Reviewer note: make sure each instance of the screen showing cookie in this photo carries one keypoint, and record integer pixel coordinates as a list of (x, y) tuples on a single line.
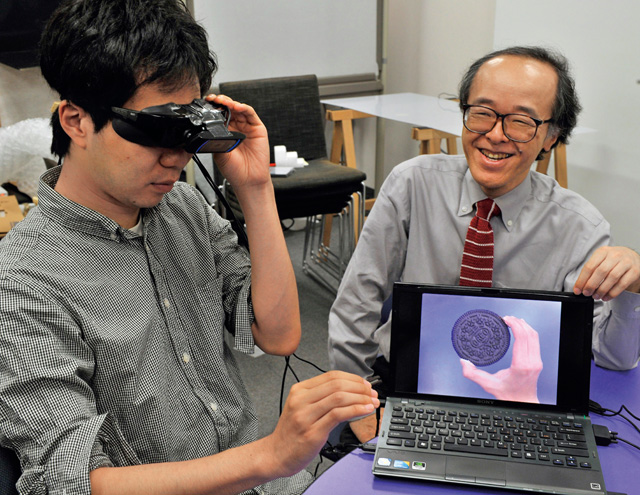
[(493, 348)]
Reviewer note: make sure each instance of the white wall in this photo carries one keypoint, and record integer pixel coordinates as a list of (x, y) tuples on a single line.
[(429, 46), (255, 39), (431, 42), (601, 41)]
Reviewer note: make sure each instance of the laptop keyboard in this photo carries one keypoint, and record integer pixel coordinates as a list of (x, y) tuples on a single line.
[(539, 438)]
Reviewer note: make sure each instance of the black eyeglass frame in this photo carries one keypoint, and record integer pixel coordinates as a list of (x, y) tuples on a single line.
[(501, 116)]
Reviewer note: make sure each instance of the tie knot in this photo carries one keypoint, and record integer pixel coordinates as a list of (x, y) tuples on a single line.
[(487, 208)]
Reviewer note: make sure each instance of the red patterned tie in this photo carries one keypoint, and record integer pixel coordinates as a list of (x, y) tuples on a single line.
[(477, 258)]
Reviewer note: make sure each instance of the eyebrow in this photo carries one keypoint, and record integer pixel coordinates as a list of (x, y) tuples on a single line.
[(520, 108)]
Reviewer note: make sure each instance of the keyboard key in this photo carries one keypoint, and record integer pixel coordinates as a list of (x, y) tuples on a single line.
[(399, 428), (570, 430), (470, 449), (575, 438), (575, 445), (573, 452), (399, 421)]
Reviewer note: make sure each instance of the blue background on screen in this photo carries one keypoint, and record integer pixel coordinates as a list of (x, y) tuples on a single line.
[(440, 371)]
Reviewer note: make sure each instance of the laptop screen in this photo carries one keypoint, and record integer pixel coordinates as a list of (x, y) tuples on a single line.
[(457, 343)]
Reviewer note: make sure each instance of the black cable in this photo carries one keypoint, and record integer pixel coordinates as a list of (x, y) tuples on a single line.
[(308, 362), (284, 376), (632, 415), (291, 369), (238, 228), (617, 438), (284, 227), (603, 411), (315, 472)]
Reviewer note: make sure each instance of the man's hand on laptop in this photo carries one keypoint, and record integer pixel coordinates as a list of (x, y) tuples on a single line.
[(519, 382)]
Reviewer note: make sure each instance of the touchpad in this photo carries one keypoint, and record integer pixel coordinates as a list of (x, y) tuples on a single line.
[(472, 470)]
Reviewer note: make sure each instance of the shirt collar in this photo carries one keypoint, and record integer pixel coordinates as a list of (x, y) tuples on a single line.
[(510, 204), (73, 215)]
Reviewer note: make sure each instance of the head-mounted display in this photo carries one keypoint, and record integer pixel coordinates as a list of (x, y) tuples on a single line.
[(198, 127)]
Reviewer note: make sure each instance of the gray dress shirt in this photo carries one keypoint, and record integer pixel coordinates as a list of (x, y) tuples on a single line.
[(112, 349), (416, 232)]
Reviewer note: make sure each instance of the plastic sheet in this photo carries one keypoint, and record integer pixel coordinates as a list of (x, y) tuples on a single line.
[(23, 148)]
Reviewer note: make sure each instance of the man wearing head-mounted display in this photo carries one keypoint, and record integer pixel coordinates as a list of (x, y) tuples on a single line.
[(117, 288)]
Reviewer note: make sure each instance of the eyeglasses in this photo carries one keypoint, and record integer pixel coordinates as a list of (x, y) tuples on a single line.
[(515, 126)]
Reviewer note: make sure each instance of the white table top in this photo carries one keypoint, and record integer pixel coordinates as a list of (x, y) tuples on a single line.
[(410, 108)]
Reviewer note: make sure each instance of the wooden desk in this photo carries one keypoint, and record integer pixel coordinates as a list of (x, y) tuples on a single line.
[(433, 119)]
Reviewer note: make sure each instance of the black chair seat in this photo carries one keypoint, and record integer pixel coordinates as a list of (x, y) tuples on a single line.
[(320, 188)]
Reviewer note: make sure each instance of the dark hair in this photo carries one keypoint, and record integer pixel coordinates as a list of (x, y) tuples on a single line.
[(566, 106), (97, 53)]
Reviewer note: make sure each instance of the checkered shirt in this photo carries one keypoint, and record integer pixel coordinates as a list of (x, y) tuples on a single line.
[(112, 349)]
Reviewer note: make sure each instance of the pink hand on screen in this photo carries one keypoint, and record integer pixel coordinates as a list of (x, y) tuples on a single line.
[(519, 382)]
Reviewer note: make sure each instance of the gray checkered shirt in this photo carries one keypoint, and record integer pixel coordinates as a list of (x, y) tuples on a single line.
[(112, 349)]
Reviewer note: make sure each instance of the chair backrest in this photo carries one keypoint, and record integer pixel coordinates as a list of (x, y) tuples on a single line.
[(9, 472), (290, 109)]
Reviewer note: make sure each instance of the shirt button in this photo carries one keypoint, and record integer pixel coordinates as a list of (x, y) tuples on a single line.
[(186, 358), (213, 406), (464, 209), (114, 236), (166, 303), (637, 309), (509, 223)]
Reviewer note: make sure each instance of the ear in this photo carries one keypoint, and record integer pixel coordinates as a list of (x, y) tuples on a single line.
[(550, 139), (75, 122)]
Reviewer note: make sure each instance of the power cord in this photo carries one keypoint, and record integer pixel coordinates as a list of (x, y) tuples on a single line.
[(603, 411), (603, 435)]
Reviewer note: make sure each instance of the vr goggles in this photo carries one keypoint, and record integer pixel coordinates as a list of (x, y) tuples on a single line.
[(198, 127)]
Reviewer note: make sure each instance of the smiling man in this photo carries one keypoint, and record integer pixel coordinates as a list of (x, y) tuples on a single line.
[(517, 104)]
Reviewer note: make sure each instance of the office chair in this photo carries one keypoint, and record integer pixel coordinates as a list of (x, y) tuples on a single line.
[(9, 472), (291, 111)]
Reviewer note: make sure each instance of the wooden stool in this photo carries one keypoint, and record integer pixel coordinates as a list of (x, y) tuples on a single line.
[(342, 143), (559, 164), (430, 140)]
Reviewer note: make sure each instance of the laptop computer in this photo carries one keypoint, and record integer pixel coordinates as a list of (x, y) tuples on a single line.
[(442, 426)]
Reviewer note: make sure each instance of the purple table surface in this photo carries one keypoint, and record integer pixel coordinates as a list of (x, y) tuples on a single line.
[(620, 462)]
